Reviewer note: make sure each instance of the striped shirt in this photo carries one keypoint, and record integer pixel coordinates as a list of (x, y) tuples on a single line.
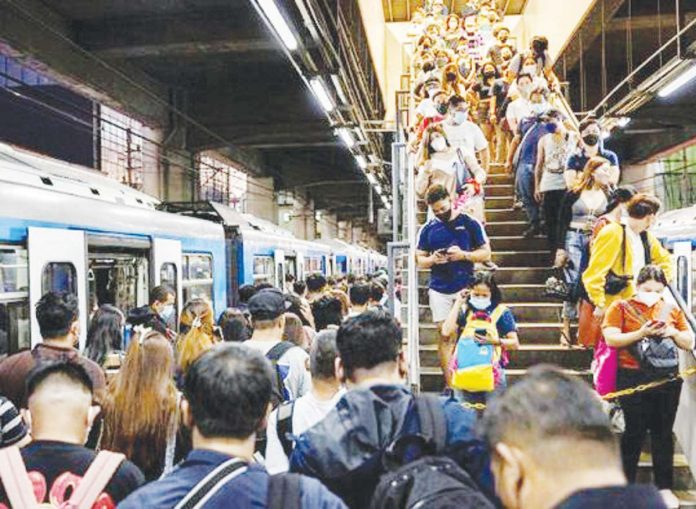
[(12, 428)]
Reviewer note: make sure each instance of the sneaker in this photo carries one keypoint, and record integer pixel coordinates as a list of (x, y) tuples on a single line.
[(517, 205), (530, 232), (670, 499)]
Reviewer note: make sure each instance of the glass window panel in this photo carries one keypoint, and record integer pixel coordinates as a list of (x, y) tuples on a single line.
[(59, 277), (14, 326), (264, 269), (14, 274)]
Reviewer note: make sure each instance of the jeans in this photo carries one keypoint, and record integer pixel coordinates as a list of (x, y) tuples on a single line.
[(552, 210), (576, 245), (524, 184), (653, 410)]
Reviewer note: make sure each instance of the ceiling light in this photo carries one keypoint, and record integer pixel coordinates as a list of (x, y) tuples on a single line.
[(279, 24), (606, 135), (361, 162), (336, 80), (322, 94), (378, 188), (623, 121), (361, 135), (346, 137), (371, 178), (682, 80)]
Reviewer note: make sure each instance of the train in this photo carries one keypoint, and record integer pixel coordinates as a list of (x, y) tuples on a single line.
[(69, 228)]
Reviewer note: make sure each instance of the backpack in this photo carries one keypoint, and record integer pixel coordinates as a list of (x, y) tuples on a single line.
[(284, 425), (475, 367), (657, 356), (417, 475), (20, 492), (284, 490)]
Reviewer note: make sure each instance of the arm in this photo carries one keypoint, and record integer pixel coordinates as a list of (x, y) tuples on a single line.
[(513, 148), (565, 215), (423, 179), (450, 325), (605, 250), (426, 261), (511, 341), (571, 177), (276, 461), (684, 339), (660, 256), (539, 167), (617, 339), (485, 156), (478, 255)]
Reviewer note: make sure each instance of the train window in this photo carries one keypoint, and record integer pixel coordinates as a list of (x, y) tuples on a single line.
[(14, 300), (264, 269), (59, 277), (120, 279), (198, 277), (313, 265), (168, 275), (683, 278)]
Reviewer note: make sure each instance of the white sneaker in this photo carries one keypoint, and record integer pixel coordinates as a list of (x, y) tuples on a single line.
[(670, 499)]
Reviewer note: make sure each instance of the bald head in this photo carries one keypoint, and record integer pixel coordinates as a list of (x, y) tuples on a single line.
[(59, 398)]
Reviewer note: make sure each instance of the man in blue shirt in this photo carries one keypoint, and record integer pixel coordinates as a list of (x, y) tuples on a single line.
[(449, 244), (346, 449), (591, 146), (524, 148), (227, 396)]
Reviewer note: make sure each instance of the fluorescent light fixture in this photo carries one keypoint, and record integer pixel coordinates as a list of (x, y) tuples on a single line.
[(682, 80), (386, 202), (606, 135), (371, 178), (346, 137), (378, 188), (281, 26), (336, 80), (623, 122), (361, 162), (321, 93), (361, 135)]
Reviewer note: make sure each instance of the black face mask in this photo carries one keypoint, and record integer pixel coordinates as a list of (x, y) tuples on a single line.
[(444, 216), (489, 75), (451, 76), (591, 139), (441, 109)]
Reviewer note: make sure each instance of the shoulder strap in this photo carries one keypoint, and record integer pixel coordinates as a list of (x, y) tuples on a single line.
[(278, 350), (15, 480), (95, 479), (432, 419), (284, 492), (497, 313), (623, 249), (170, 451), (284, 425), (646, 247), (211, 483)]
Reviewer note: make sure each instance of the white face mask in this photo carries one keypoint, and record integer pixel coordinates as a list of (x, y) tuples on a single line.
[(460, 117), (529, 69), (439, 145), (480, 303), (648, 298)]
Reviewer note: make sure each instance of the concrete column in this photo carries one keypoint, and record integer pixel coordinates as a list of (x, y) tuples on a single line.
[(260, 199), (641, 176), (298, 217), (328, 226)]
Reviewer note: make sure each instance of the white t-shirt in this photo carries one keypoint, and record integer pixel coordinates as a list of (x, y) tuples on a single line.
[(636, 246), (308, 411), (467, 135), (516, 111), (298, 381)]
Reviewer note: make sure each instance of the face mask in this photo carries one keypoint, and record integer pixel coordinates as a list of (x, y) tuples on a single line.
[(167, 312), (489, 74), (442, 109), (525, 89), (444, 216), (503, 38), (429, 111), (529, 69), (441, 62), (590, 139), (648, 298), (439, 144), (432, 91), (480, 303), (451, 76), (460, 117)]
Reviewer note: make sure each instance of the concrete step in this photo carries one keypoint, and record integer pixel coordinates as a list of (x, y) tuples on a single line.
[(523, 311), (517, 243), (531, 333), (433, 381), (499, 202), (539, 258), (687, 498), (509, 229), (497, 169), (497, 190), (522, 275), (683, 480), (499, 178), (505, 214), (511, 293)]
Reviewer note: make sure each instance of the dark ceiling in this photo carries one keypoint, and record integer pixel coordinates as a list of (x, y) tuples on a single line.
[(621, 37), (230, 75)]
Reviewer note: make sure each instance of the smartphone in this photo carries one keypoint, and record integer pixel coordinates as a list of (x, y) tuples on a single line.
[(442, 251), (481, 332), (657, 323)]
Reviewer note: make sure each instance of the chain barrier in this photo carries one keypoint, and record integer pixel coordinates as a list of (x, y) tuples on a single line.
[(617, 394)]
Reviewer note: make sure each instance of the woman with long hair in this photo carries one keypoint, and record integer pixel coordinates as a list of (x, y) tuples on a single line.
[(452, 81), (140, 408), (196, 334), (105, 336), (579, 210), (235, 326)]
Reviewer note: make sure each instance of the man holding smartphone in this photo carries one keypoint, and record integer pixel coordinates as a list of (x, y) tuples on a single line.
[(449, 244)]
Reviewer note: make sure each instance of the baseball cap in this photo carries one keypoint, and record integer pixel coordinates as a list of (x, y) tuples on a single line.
[(267, 304)]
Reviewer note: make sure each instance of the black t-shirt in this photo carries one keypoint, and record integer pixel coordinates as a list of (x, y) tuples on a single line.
[(56, 467)]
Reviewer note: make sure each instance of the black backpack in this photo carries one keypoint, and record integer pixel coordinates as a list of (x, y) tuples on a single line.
[(417, 475)]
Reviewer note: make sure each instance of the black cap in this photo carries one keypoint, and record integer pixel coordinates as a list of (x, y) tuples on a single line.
[(267, 304)]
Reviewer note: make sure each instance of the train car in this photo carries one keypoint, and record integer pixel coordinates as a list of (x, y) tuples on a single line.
[(67, 228), (345, 258)]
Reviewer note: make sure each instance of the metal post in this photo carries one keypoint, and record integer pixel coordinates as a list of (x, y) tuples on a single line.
[(392, 247), (397, 160)]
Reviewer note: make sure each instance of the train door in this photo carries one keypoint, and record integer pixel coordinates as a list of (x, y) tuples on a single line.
[(57, 262), (166, 269), (300, 267), (279, 257)]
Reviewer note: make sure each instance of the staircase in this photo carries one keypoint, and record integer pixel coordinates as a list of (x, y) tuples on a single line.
[(524, 267)]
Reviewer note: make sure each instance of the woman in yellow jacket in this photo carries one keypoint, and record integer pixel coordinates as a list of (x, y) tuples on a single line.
[(623, 250)]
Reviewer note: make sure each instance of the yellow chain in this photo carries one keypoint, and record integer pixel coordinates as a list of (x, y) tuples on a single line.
[(617, 394)]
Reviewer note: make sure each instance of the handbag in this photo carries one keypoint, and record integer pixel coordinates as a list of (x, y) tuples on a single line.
[(656, 355), (614, 283), (605, 366), (557, 286), (589, 325)]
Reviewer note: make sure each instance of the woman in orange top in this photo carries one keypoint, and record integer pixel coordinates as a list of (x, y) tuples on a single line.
[(627, 323)]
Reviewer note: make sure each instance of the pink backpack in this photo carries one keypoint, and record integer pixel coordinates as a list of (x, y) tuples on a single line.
[(20, 493)]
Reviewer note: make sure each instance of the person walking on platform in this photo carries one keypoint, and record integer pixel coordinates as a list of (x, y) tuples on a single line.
[(449, 244)]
